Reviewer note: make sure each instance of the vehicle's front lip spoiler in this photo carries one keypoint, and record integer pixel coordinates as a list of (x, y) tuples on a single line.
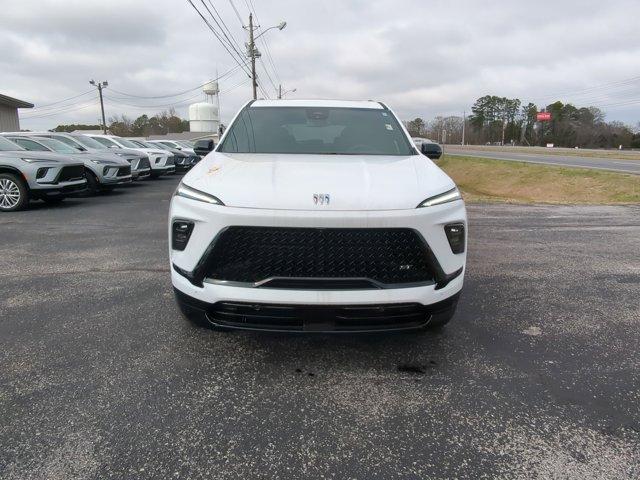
[(442, 280)]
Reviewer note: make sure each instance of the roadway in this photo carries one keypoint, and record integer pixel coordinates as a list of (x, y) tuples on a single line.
[(594, 163)]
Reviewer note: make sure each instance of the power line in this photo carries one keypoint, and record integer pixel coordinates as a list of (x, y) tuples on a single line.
[(179, 93), (264, 67), (233, 5), (217, 35), (618, 83), (60, 112), (231, 43), (176, 103), (46, 105)]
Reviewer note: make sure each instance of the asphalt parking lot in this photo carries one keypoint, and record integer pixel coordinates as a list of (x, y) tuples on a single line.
[(536, 377)]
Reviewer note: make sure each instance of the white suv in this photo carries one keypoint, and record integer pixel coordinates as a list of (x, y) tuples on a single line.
[(317, 216), (161, 162)]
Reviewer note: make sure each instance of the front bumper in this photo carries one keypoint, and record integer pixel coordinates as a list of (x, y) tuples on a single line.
[(185, 163), (161, 165), (209, 220), (62, 188), (318, 318), (141, 173)]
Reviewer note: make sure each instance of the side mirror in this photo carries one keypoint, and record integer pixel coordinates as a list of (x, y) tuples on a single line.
[(431, 150)]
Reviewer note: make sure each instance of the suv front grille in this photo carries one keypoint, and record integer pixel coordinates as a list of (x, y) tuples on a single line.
[(124, 171), (319, 257), (70, 173), (143, 164)]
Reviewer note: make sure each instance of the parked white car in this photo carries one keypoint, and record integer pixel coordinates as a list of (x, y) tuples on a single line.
[(317, 216), (175, 144), (161, 162)]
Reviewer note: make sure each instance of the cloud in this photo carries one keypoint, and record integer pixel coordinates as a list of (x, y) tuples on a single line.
[(421, 58)]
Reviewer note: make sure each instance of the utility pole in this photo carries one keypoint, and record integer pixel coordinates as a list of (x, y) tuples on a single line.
[(100, 86), (252, 54), (464, 120), (282, 93)]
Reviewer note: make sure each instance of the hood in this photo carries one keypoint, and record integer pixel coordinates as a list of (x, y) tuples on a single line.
[(290, 181), (106, 157), (153, 151), (57, 157)]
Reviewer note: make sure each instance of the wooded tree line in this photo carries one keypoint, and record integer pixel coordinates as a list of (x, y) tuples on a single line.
[(501, 120), (143, 126)]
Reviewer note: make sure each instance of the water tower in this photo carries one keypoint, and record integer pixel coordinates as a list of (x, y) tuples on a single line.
[(205, 116)]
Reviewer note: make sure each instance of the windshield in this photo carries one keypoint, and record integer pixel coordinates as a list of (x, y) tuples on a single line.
[(160, 146), (90, 142), (8, 146), (185, 143), (316, 130), (57, 146), (127, 143), (107, 142)]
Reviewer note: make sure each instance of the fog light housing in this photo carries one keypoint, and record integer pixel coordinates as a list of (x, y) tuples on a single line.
[(455, 235), (180, 234), (42, 172)]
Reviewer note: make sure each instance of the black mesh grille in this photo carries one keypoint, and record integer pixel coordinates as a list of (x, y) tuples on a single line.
[(72, 172), (124, 171), (387, 256)]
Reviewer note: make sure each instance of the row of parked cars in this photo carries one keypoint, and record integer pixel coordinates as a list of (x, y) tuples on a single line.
[(51, 166)]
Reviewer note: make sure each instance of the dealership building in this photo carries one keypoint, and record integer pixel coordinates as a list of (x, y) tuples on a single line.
[(9, 119)]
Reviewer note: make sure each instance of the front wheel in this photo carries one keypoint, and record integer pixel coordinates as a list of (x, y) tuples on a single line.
[(93, 186), (14, 194)]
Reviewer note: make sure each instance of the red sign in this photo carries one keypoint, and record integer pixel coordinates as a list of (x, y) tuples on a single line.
[(543, 116)]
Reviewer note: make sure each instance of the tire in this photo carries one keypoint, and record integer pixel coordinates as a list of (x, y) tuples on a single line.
[(14, 194), (53, 200), (155, 174), (93, 186)]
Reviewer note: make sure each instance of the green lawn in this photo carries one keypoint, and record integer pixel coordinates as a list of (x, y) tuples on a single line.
[(482, 179)]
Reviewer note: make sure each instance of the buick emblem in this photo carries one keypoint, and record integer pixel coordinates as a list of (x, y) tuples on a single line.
[(321, 198)]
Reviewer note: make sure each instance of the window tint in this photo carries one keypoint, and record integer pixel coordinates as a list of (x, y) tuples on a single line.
[(57, 146), (68, 141), (106, 142), (127, 143), (31, 145), (89, 142), (316, 130), (8, 146)]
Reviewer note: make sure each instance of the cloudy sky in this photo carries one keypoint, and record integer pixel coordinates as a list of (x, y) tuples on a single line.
[(421, 57)]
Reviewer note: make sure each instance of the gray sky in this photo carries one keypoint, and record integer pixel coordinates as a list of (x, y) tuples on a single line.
[(422, 58)]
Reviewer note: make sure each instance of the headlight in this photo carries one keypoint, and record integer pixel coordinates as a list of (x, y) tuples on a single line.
[(96, 161), (193, 194), (446, 197), (36, 160)]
